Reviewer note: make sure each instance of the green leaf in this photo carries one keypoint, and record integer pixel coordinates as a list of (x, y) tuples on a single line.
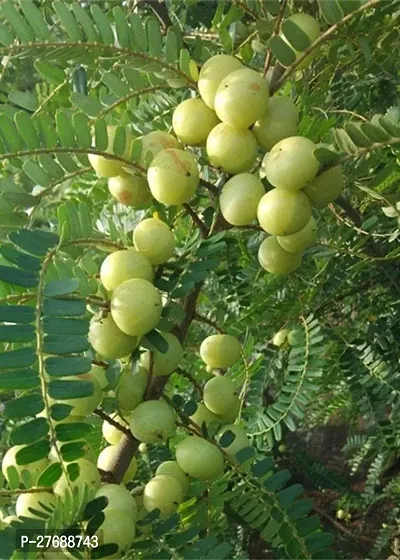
[(24, 99), (101, 136), (17, 313), (10, 134), (357, 135), (73, 450), (296, 36), (19, 380), (349, 6), (390, 126), (18, 277), (153, 340), (88, 104), (47, 130), (171, 46), (52, 325), (29, 405), (30, 432), (102, 24), (17, 333), (82, 130), (36, 173), (70, 389), (24, 357), (65, 344), (6, 37), (277, 480), (60, 287), (51, 72), (64, 307), (227, 438), (344, 141), (122, 27), (17, 22), (84, 19), (50, 475), (27, 130), (73, 430), (331, 11), (68, 365), (20, 259), (32, 453), (116, 85), (64, 128), (119, 141), (68, 21), (281, 50), (138, 32), (37, 242), (154, 38), (326, 156), (35, 18), (375, 133)]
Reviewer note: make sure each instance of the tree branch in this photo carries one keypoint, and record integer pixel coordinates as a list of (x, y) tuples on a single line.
[(202, 319), (111, 421), (190, 378), (201, 225), (277, 28)]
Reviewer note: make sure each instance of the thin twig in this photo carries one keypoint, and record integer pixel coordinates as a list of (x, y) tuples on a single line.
[(276, 31), (111, 421), (201, 225), (207, 321), (190, 378), (340, 527), (209, 186), (5, 493)]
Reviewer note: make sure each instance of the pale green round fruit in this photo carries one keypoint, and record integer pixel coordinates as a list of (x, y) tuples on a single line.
[(273, 258), (232, 413), (220, 350), (326, 187), (108, 167), (164, 493), (153, 239), (34, 500), (130, 190), (88, 474), (311, 28), (203, 415), (240, 442), (153, 143), (219, 394), (241, 98), (171, 468), (124, 265), (99, 373), (279, 121), (111, 434), (136, 307), (192, 121), (200, 458), (82, 405), (9, 460), (131, 389), (106, 460), (280, 337), (119, 498), (142, 448), (153, 421), (108, 340), (239, 199), (282, 212), (173, 177), (164, 364), (234, 150), (291, 164), (214, 70), (118, 527), (297, 242)]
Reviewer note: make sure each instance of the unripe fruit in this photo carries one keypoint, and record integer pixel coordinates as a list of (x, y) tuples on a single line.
[(136, 307), (278, 122), (297, 242), (154, 143), (153, 239), (111, 434), (311, 28), (234, 150), (88, 474), (273, 258), (130, 190), (203, 414), (164, 364), (9, 460), (326, 187), (108, 167), (280, 337), (220, 350), (106, 460), (31, 500), (131, 388), (81, 406), (118, 527), (291, 164), (241, 98), (232, 413), (99, 373), (239, 199), (282, 212), (219, 394), (124, 265), (108, 340), (240, 442), (214, 70), (173, 177), (164, 493), (282, 448), (171, 468), (142, 448), (192, 121), (152, 421), (340, 514), (200, 458)]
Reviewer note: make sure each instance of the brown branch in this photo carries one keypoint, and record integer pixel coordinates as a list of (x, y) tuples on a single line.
[(111, 421), (200, 224), (276, 31), (340, 527), (202, 319), (322, 38), (209, 186)]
